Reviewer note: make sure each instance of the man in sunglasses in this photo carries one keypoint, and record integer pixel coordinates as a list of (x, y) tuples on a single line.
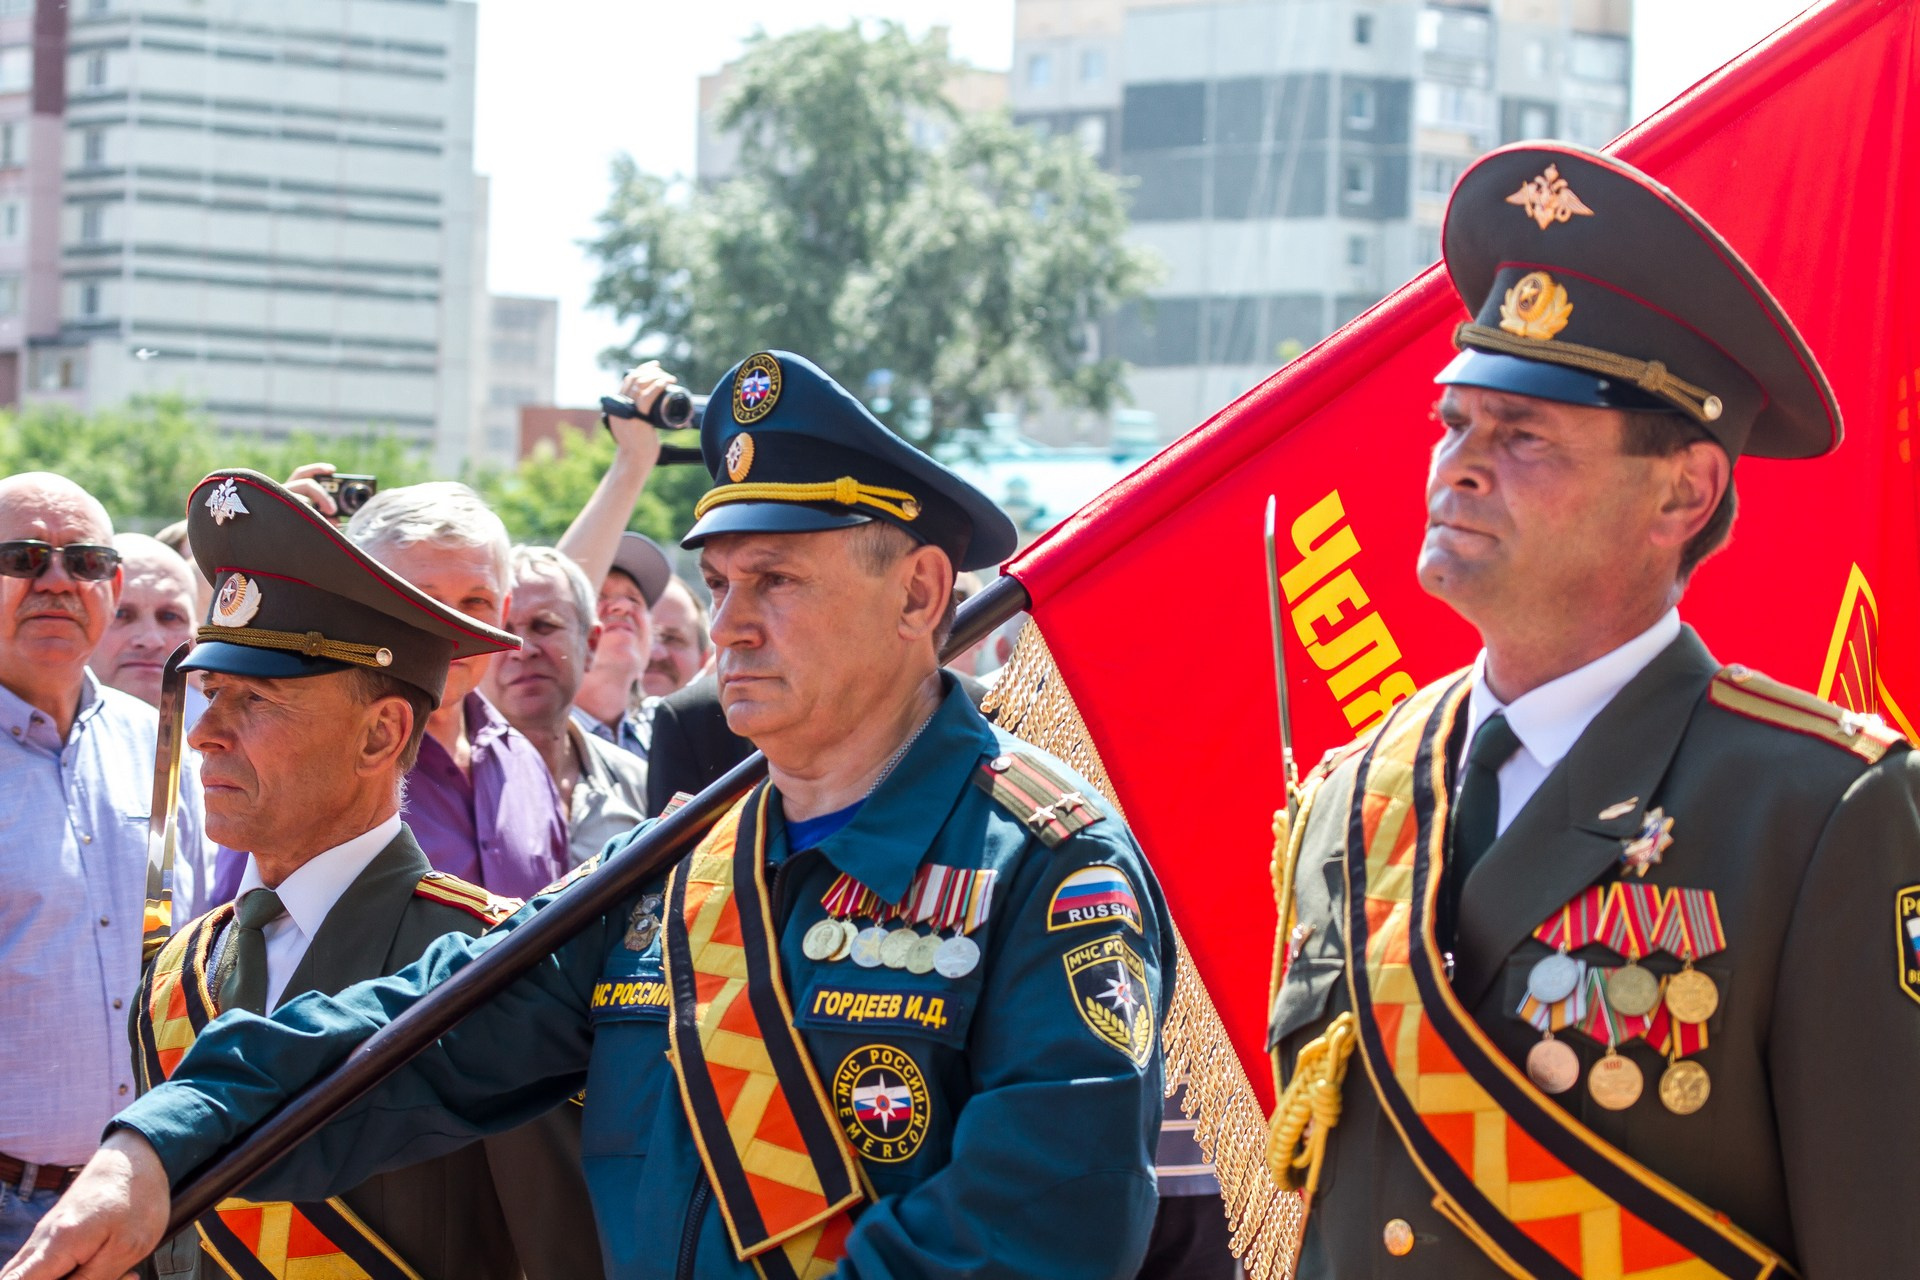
[(76, 769)]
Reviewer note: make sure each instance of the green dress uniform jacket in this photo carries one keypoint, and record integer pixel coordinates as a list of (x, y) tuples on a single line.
[(1027, 1146), (513, 1204), (1808, 1138)]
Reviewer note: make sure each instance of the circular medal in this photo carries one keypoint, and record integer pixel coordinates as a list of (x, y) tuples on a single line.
[(1691, 996), (848, 932), (1684, 1087), (896, 945), (866, 946), (1633, 992), (956, 957), (1553, 1065), (921, 955), (1615, 1082), (1554, 978), (821, 941)]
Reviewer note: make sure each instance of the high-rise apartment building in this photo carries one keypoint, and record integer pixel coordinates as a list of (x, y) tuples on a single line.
[(269, 207), (1291, 159), (521, 360)]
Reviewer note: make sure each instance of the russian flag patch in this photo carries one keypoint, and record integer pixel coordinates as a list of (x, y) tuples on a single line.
[(1094, 895)]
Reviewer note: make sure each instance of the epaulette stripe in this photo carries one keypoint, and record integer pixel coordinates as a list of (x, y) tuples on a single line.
[(452, 891), (1768, 701), (1037, 789), (1035, 794)]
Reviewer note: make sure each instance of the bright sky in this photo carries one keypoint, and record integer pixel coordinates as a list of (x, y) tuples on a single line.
[(563, 87)]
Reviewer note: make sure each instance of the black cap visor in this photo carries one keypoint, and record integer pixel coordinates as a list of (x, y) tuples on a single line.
[(265, 664), (1543, 381)]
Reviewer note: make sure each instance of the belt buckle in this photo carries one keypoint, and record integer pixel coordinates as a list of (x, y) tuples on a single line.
[(29, 1178)]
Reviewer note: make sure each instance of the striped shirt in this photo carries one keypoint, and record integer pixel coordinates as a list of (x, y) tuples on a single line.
[(74, 826)]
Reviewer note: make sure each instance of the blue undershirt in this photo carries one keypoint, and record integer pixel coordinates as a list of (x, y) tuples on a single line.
[(814, 831)]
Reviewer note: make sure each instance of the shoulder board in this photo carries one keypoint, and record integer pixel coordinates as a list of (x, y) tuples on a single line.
[(1746, 692), (1048, 805), (1338, 756), (452, 891), (679, 799), (580, 872)]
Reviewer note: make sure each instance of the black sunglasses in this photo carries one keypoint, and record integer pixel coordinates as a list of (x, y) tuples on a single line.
[(28, 558)]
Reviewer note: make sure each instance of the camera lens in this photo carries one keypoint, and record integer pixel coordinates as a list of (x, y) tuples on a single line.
[(676, 409), (353, 495)]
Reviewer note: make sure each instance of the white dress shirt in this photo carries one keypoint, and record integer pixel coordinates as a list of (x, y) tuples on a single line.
[(308, 894), (1550, 719)]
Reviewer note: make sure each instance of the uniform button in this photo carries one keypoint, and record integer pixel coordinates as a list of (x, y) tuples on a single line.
[(16, 731), (1398, 1237), (123, 1091), (1000, 764), (104, 922), (116, 1002), (1739, 674), (86, 839)]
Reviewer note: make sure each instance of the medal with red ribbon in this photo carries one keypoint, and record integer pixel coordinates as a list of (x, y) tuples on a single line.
[(1689, 928), (1631, 915)]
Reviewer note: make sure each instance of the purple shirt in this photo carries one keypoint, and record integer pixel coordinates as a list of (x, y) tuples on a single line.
[(500, 826)]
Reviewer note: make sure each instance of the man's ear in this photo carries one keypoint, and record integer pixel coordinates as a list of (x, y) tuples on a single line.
[(929, 585), (1697, 479), (384, 733), (593, 646)]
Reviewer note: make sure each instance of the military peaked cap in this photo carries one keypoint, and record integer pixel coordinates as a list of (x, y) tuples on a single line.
[(1592, 284), (292, 597), (792, 451)]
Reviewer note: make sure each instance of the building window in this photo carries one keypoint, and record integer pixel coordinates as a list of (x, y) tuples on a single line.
[(1039, 70), (90, 219), (10, 220), (1356, 251), (13, 145), (12, 8), (1092, 133), (1360, 107), (1426, 245), (1363, 28), (1436, 175), (1599, 58), (96, 77), (1356, 181), (89, 299), (1592, 126), (1093, 66), (93, 148), (1535, 59), (1452, 106), (1536, 122), (16, 68), (58, 370), (9, 295), (97, 7)]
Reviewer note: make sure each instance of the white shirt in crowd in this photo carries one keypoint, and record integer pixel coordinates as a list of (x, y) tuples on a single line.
[(308, 895), (1550, 719)]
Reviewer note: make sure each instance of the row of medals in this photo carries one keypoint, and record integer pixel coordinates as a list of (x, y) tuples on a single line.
[(902, 947), (1633, 991)]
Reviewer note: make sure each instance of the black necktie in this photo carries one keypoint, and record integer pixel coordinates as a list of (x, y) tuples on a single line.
[(245, 983), (1476, 817)]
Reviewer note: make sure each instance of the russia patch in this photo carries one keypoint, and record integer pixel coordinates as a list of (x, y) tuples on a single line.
[(1906, 931), (1093, 895)]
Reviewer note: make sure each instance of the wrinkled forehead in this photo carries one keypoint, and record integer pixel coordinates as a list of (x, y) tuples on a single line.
[(54, 516)]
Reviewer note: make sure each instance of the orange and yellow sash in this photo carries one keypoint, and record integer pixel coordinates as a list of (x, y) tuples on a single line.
[(1540, 1193), (250, 1240), (784, 1175)]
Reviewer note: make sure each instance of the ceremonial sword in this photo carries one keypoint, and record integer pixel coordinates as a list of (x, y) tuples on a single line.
[(439, 1010), (163, 820)]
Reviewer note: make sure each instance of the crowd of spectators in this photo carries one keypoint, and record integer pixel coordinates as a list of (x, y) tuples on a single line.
[(531, 763)]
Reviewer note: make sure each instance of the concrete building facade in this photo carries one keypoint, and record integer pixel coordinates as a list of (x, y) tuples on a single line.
[(521, 360), (1291, 159), (271, 209)]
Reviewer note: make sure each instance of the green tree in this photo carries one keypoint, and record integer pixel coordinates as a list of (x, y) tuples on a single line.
[(143, 459), (539, 498), (939, 263)]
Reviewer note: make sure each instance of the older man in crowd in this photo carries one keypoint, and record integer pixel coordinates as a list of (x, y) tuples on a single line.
[(155, 616), (76, 770), (603, 789), (681, 644), (480, 800)]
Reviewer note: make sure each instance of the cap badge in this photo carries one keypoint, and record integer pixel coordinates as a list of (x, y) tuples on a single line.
[(238, 601), (1536, 307), (1548, 199), (756, 389), (224, 502), (739, 457)]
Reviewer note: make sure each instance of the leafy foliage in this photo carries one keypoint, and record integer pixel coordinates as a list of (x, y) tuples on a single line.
[(539, 498), (938, 263)]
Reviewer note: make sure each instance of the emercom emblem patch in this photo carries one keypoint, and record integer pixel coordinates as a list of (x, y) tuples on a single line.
[(881, 1099), (1109, 986), (1906, 928)]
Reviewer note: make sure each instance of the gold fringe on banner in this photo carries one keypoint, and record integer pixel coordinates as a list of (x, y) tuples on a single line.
[(1030, 700)]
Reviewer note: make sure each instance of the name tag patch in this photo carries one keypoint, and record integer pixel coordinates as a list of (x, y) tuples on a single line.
[(1093, 895), (838, 1006), (631, 997)]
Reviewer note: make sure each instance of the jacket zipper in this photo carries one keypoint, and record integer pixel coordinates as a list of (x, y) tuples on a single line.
[(690, 1231)]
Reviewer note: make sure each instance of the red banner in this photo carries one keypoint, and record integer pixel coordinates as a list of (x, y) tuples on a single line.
[(1153, 598)]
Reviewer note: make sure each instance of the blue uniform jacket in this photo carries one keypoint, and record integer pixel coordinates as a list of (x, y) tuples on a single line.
[(1025, 1149)]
